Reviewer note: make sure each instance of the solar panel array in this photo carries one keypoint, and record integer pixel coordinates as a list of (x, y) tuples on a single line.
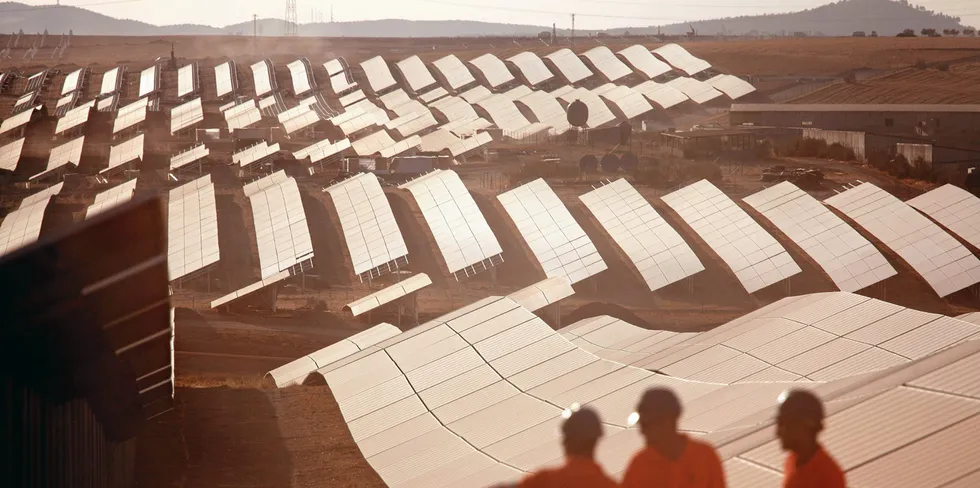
[(732, 86), (755, 257), (301, 75), (69, 153), (186, 115), (461, 232), (10, 154), (543, 293), (532, 68), (149, 81), (572, 69), (696, 90), (192, 155), (493, 69), (74, 117), (130, 115), (296, 372), (505, 115), (818, 337), (606, 63), (456, 74), (388, 294), (954, 208), (73, 81), (664, 96), (847, 257), (340, 77), (416, 75), (378, 75), (17, 121), (373, 238), (599, 113), (22, 226), (322, 150), (111, 81), (187, 80), (382, 144), (225, 79), (192, 228), (557, 241), (939, 258), (657, 251), (545, 109), (112, 197), (255, 153), (125, 152), (643, 61), (681, 59), (280, 224), (264, 76), (630, 103)]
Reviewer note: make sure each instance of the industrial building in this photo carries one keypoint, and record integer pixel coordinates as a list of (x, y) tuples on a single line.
[(898, 119)]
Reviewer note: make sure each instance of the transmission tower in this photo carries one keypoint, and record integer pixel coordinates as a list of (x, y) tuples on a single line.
[(292, 19)]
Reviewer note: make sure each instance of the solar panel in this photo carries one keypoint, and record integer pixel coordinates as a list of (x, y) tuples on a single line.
[(679, 58), (412, 123), (848, 258), (65, 104), (517, 92), (509, 118), (657, 251), (954, 208), (456, 74), (74, 117), (938, 257), (663, 96), (476, 94), (455, 108), (630, 103), (242, 115), (21, 227), (35, 81), (467, 127), (189, 156), (732, 86), (599, 113), (10, 154), (569, 65), (340, 78), (544, 108), (532, 68), (107, 104), (112, 197), (322, 150), (756, 258), (186, 115), (73, 81), (360, 116), (125, 152), (378, 75), (643, 61), (557, 241), (373, 238), (443, 140), (28, 100), (149, 81), (192, 228), (296, 372), (254, 154), (69, 153), (543, 293), (389, 294), (606, 63), (264, 77), (130, 115), (301, 76), (111, 81), (187, 83), (225, 79), (494, 70), (300, 119), (280, 224), (417, 76), (381, 143), (433, 94), (461, 232), (696, 90), (17, 121)]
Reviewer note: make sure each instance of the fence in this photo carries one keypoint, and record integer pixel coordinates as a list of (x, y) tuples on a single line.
[(851, 140)]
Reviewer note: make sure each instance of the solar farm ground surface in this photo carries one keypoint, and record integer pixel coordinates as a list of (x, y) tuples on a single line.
[(229, 430)]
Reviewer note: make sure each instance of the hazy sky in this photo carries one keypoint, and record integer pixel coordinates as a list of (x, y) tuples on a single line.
[(591, 14)]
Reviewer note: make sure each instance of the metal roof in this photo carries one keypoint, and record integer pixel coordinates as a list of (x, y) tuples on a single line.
[(756, 258), (493, 69), (416, 75), (606, 63), (939, 258), (192, 228), (370, 231), (847, 257), (112, 197), (657, 251), (456, 74), (461, 232), (679, 58), (571, 68), (643, 61), (555, 239), (853, 107)]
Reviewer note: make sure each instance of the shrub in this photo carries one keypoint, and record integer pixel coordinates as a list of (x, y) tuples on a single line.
[(943, 67), (921, 64), (906, 33), (839, 152), (850, 78)]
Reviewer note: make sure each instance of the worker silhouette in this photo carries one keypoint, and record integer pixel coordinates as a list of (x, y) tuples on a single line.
[(670, 459), (798, 423), (580, 435)]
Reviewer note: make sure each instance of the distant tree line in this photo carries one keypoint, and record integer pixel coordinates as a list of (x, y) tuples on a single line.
[(967, 31)]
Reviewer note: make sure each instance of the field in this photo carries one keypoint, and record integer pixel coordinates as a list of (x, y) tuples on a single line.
[(229, 429)]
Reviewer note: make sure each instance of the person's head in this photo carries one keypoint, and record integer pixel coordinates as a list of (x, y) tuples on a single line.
[(581, 432), (658, 410), (799, 420)]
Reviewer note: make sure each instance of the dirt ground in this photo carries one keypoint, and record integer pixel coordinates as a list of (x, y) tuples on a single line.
[(230, 430)]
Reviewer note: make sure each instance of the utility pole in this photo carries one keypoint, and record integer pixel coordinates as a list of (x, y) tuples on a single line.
[(255, 26), (572, 39), (292, 19), (331, 13)]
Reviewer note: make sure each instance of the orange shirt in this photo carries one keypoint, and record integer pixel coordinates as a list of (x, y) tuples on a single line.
[(577, 472), (698, 467), (821, 471)]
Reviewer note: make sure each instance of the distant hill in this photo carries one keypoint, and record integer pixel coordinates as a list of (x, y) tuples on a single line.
[(887, 17)]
